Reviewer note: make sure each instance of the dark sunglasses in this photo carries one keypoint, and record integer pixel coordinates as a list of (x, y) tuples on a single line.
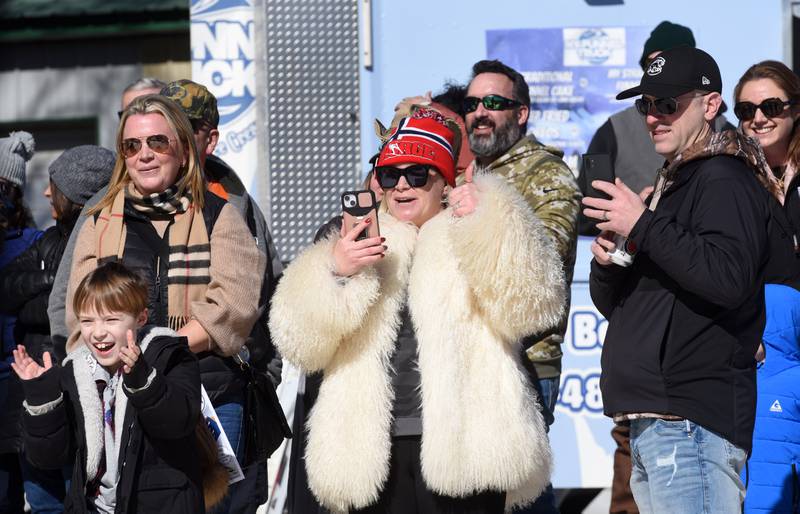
[(490, 102), (388, 176), (770, 107), (664, 106), (158, 143)]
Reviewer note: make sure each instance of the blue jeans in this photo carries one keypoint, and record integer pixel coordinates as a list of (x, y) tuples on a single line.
[(45, 488), (548, 392), (679, 466), (230, 417)]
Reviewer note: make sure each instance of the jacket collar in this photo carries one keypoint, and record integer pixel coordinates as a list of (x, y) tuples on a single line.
[(83, 363)]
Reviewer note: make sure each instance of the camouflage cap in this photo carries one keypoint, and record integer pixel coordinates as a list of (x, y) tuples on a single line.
[(195, 99)]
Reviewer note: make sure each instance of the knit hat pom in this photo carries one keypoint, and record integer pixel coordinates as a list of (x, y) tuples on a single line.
[(15, 151), (22, 143)]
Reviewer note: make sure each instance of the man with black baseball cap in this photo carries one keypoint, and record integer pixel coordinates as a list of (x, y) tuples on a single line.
[(686, 317)]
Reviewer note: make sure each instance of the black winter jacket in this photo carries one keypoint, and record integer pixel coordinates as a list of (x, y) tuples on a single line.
[(159, 468), (686, 318), (25, 286)]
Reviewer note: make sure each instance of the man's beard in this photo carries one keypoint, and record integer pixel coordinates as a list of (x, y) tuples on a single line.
[(495, 143)]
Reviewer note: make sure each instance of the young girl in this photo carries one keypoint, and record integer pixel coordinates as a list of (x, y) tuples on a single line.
[(125, 404)]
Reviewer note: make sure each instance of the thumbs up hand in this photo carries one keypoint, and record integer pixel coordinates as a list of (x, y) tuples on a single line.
[(464, 198)]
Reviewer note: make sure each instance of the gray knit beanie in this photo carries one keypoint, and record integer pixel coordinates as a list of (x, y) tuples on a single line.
[(82, 171), (15, 151)]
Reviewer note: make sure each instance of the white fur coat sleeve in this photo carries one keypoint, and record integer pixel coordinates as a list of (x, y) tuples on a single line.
[(313, 310), (504, 239)]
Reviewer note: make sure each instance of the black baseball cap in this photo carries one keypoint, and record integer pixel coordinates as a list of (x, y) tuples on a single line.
[(677, 71)]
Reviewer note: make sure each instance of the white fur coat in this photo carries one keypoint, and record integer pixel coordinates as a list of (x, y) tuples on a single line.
[(474, 286)]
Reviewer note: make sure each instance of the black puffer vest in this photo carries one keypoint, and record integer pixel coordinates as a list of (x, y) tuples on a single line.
[(148, 254)]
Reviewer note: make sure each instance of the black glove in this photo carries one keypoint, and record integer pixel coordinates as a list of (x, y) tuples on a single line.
[(137, 378)]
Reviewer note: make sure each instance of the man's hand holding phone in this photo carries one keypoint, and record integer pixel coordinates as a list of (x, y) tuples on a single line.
[(350, 256)]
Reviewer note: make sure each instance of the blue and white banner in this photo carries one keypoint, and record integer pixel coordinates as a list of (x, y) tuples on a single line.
[(223, 47), (574, 74)]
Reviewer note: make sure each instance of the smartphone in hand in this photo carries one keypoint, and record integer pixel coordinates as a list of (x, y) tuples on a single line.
[(357, 205), (597, 166)]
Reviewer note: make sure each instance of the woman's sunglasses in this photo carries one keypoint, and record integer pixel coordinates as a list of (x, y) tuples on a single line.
[(158, 143), (388, 176), (490, 103), (771, 107)]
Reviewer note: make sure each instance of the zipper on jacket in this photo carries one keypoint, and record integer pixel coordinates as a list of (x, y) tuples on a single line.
[(158, 278)]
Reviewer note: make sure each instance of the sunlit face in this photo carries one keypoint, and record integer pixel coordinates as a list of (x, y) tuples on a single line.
[(48, 193), (105, 333), (491, 133), (673, 133), (150, 171), (415, 204), (774, 133)]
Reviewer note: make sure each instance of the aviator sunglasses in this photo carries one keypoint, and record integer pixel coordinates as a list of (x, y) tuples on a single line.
[(771, 107), (490, 102), (388, 176), (158, 143)]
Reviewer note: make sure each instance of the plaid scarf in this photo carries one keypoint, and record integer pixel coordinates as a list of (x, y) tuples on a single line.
[(189, 250)]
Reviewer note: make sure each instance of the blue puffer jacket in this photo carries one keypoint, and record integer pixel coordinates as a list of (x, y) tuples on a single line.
[(773, 484)]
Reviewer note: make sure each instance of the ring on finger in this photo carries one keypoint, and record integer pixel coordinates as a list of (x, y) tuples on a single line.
[(605, 215)]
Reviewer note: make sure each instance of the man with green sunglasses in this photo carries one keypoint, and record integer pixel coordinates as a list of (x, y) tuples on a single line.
[(496, 108)]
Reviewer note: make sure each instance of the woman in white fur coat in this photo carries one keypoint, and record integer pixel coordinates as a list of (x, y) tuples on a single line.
[(424, 405)]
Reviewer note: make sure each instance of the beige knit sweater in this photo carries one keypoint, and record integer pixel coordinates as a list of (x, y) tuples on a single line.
[(231, 302)]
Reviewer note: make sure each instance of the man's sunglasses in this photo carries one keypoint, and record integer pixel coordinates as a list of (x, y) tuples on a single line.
[(158, 143), (490, 103), (664, 106), (770, 107), (388, 176)]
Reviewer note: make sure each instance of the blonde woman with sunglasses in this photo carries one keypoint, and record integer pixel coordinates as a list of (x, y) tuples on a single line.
[(195, 252)]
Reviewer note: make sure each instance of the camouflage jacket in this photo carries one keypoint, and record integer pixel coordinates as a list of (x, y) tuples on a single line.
[(550, 188)]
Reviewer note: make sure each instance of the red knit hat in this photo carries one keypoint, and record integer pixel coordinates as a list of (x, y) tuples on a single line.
[(425, 137)]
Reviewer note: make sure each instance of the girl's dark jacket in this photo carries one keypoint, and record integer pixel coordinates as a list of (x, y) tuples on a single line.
[(159, 468)]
